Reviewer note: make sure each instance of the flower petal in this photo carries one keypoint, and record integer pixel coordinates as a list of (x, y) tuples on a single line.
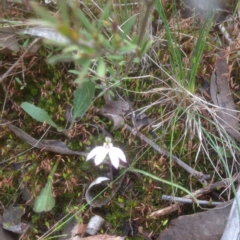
[(119, 153), (114, 159), (102, 152), (94, 152), (115, 154)]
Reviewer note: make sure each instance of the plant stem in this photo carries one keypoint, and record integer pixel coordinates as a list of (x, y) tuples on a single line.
[(111, 170)]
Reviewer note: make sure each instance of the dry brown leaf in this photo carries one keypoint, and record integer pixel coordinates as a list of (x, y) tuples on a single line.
[(199, 226), (142, 120), (47, 145), (116, 107), (12, 220), (8, 41), (222, 97), (115, 111), (94, 189), (118, 121)]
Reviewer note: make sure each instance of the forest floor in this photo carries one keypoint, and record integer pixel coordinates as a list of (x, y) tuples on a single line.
[(161, 80)]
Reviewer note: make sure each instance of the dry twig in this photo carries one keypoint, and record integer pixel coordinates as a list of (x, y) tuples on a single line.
[(200, 176), (186, 200), (198, 193)]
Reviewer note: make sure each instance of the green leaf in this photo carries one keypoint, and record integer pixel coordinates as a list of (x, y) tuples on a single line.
[(83, 72), (57, 58), (70, 49), (74, 71), (128, 25), (83, 19), (52, 21), (104, 16), (45, 201), (18, 80), (83, 98), (115, 57), (38, 114), (101, 69), (145, 47), (128, 48)]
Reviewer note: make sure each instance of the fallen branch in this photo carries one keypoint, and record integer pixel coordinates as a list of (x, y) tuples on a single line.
[(200, 176), (221, 184)]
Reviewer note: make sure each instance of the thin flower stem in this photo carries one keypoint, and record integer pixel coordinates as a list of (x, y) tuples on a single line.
[(111, 170)]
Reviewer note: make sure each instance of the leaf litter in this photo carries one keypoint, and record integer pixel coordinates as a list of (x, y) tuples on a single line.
[(118, 117), (45, 201), (221, 95), (47, 145), (118, 110), (12, 220), (207, 225)]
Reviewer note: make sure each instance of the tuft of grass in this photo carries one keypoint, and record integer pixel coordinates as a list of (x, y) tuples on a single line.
[(184, 75)]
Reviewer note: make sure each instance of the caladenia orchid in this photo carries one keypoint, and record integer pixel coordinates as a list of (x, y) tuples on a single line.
[(99, 153)]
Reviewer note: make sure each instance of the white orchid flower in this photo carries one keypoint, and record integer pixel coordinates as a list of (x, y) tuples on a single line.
[(99, 153)]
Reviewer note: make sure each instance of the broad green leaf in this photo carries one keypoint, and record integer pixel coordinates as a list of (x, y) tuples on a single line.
[(83, 72), (74, 71), (45, 201), (101, 68), (83, 98), (38, 114), (106, 43), (136, 60), (128, 25), (134, 39), (129, 48), (145, 47), (70, 48), (115, 57), (60, 57)]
